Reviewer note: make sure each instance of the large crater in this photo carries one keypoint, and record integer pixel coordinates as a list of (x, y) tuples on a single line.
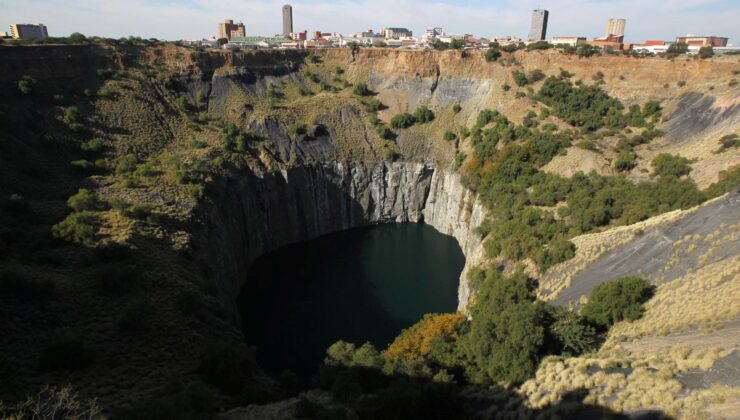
[(251, 215)]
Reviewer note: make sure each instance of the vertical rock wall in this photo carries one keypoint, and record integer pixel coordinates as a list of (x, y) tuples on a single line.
[(255, 214)]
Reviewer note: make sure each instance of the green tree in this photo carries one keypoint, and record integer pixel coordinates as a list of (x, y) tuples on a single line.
[(384, 132), (519, 78), (423, 115), (404, 120), (26, 85), (625, 161), (587, 50), (618, 300), (676, 49), (354, 46), (126, 164), (573, 332), (83, 200), (535, 76), (507, 334), (539, 45), (493, 54), (674, 166), (706, 51), (558, 250), (78, 228), (77, 38), (361, 89), (457, 44)]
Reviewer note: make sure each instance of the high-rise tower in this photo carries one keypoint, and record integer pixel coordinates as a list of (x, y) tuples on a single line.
[(615, 27), (287, 20), (538, 30)]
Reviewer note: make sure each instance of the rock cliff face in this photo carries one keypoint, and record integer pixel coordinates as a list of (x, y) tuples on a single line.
[(255, 214)]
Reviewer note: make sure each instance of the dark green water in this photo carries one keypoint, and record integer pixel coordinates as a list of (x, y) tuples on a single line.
[(359, 285)]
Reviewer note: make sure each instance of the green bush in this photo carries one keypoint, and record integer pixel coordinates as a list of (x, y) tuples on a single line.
[(26, 85), (493, 54), (587, 145), (618, 300), (228, 366), (83, 200), (93, 146), (84, 166), (510, 48), (672, 166), (78, 228), (587, 50), (449, 136), (384, 132), (581, 106), (573, 332), (456, 108), (507, 335), (423, 115), (519, 78), (390, 153), (65, 354), (361, 89), (558, 250), (539, 45), (126, 164), (374, 105), (676, 49), (404, 120), (727, 142), (535, 76), (626, 161)]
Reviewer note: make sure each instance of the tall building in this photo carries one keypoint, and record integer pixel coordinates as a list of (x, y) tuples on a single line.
[(287, 20), (28, 31), (228, 29), (615, 27), (538, 30)]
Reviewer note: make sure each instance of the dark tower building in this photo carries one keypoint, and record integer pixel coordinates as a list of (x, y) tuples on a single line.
[(287, 20), (538, 30)]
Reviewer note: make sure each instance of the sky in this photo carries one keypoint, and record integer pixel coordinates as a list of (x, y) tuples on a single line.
[(195, 19)]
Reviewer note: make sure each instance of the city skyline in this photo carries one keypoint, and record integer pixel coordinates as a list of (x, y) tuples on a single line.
[(193, 19)]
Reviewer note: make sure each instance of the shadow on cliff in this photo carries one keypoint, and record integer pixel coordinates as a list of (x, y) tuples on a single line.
[(302, 298), (368, 393)]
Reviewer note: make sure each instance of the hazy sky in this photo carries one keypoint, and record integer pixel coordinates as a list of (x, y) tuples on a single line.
[(191, 19)]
